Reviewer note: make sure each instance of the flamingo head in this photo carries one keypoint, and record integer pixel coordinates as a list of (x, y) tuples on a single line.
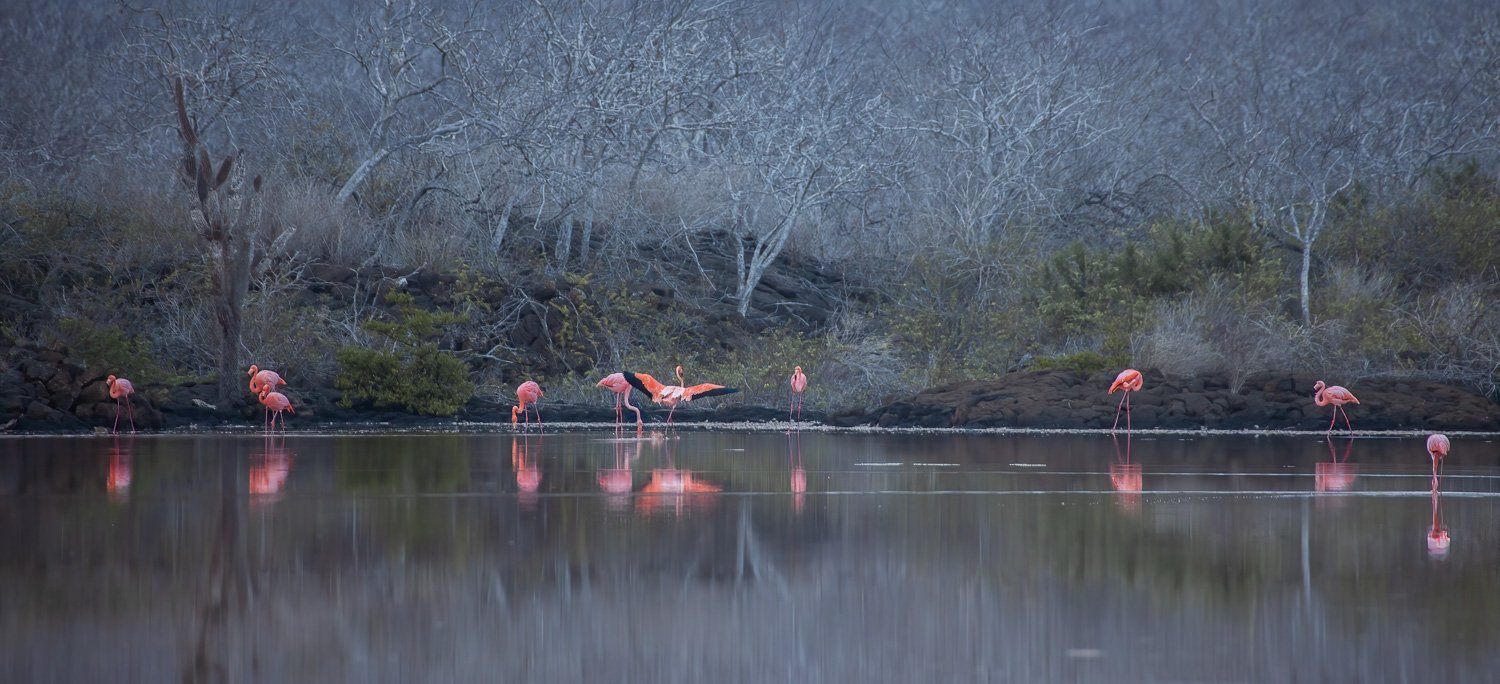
[(514, 411), (1318, 386), (679, 375), (262, 393), (253, 370), (110, 381)]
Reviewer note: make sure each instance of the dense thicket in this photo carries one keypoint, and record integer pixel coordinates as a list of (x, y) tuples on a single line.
[(1199, 187)]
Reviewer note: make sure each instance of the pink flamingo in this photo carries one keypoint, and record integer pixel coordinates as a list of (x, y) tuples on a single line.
[(120, 390), (672, 395), (1437, 448), (616, 382), (527, 393), (798, 390), (1129, 380), (1336, 395), (276, 402), (264, 380), (799, 474)]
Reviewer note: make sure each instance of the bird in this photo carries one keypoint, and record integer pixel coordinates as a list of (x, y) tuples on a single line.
[(672, 395), (276, 402), (616, 382), (1437, 448), (264, 379), (1129, 380), (527, 393), (799, 388), (1336, 395), (120, 390)]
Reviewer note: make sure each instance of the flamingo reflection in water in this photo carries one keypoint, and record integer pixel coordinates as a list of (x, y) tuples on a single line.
[(1336, 474), (1437, 535), (674, 488), (268, 471), (1125, 476), (528, 475), (118, 483), (799, 476), (618, 482)]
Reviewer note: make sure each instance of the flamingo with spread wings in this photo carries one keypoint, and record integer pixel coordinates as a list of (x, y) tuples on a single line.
[(672, 395)]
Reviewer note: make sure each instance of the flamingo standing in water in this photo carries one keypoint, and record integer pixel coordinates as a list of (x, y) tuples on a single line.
[(798, 386), (527, 393), (1437, 448), (1336, 395), (264, 380), (672, 395), (616, 382), (1129, 380), (276, 402), (120, 390)]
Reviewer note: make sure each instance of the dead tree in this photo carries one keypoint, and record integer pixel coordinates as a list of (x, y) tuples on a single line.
[(227, 216)]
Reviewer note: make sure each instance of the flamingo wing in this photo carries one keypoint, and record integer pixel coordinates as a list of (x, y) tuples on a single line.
[(1340, 394), (644, 383), (706, 390), (1128, 380)]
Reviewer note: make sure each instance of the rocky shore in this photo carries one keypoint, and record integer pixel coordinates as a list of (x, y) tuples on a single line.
[(43, 390)]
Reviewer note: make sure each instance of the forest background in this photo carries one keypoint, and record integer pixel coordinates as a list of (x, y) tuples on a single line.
[(448, 197)]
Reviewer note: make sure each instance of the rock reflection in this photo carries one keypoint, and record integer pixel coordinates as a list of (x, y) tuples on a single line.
[(1336, 474), (118, 484), (1125, 476), (523, 459), (269, 469)]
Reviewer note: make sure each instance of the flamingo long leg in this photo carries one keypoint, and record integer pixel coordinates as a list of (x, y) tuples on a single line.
[(1119, 408), (116, 428), (129, 410), (1347, 424)]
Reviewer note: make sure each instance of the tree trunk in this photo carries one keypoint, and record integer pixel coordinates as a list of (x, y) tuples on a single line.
[(1306, 273)]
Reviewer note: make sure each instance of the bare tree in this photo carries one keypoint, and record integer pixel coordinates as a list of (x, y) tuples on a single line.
[(227, 215), (405, 54)]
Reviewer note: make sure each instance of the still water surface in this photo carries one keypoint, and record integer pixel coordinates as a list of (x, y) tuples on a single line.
[(743, 556)]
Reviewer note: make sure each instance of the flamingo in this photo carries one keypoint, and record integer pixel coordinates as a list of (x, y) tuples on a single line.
[(616, 382), (263, 379), (527, 393), (276, 402), (269, 471), (672, 395), (1437, 448), (1336, 395), (120, 390), (799, 388), (1129, 380)]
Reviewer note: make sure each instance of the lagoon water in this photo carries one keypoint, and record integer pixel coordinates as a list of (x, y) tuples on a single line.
[(747, 556)]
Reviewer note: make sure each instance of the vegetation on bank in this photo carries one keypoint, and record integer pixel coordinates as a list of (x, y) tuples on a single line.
[(989, 191)]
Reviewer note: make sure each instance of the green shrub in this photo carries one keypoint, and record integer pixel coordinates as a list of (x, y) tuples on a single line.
[(1085, 362), (427, 381), (414, 375)]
